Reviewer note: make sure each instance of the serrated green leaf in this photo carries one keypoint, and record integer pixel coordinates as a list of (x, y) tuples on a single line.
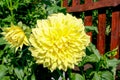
[(33, 77), (113, 62), (92, 58), (3, 70), (92, 50), (7, 19), (2, 41), (6, 78), (111, 53), (19, 72), (96, 76), (1, 52), (108, 30), (91, 28), (1, 3), (76, 76), (106, 75)]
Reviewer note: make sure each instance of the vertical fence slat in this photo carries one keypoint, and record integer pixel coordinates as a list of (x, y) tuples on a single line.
[(115, 29), (75, 2), (118, 56), (65, 3), (101, 30), (88, 18), (88, 21)]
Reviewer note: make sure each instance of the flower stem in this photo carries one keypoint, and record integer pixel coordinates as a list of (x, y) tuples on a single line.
[(61, 3), (61, 74), (10, 7)]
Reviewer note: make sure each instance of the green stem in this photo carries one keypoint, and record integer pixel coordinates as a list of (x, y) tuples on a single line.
[(61, 3), (12, 15), (82, 71), (63, 78), (10, 7), (69, 73)]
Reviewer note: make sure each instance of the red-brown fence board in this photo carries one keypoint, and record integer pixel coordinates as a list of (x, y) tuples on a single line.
[(115, 29), (119, 33), (65, 3), (101, 29), (101, 6), (88, 17), (75, 2), (92, 6), (88, 21)]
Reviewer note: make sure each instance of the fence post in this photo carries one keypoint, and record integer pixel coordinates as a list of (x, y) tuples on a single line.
[(75, 2), (101, 29), (88, 18), (65, 3), (115, 29)]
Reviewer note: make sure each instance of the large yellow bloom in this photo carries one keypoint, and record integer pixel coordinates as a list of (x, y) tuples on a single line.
[(15, 36), (59, 41)]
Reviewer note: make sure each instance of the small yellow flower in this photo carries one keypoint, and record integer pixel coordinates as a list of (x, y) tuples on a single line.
[(15, 36), (59, 41)]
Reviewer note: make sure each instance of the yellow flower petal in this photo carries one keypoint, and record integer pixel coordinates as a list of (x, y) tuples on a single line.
[(59, 41), (15, 36)]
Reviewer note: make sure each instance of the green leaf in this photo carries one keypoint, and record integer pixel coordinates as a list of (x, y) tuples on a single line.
[(1, 3), (91, 28), (19, 72), (106, 75), (7, 19), (16, 4), (6, 78), (33, 77), (56, 74), (91, 49), (111, 53), (113, 64), (92, 55), (2, 41), (76, 76), (3, 70), (96, 76), (1, 52), (108, 30), (103, 75), (91, 58)]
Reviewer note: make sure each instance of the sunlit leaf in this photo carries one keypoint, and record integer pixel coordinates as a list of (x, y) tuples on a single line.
[(96, 76), (76, 76), (106, 75), (91, 49), (33, 77), (19, 72), (3, 70), (91, 58), (1, 52), (6, 78), (2, 41), (91, 29)]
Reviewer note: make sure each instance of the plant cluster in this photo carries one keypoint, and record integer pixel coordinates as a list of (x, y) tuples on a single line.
[(22, 59)]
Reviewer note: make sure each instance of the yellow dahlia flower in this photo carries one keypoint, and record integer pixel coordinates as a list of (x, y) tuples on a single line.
[(59, 41), (15, 36)]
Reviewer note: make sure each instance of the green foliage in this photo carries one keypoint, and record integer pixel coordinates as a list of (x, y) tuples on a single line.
[(27, 11), (76, 76), (91, 29), (20, 65), (103, 68)]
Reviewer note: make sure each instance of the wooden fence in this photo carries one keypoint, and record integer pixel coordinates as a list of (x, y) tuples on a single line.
[(101, 6)]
